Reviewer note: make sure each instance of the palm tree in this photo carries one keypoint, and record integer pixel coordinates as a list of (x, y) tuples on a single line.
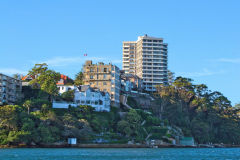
[(28, 105)]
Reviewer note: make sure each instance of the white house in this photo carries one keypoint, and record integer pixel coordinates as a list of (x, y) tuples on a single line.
[(64, 88), (85, 95), (72, 141)]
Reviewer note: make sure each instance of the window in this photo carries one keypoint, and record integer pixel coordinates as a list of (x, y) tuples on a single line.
[(104, 83), (104, 76), (88, 102), (91, 69), (82, 102), (77, 101), (91, 76), (105, 70)]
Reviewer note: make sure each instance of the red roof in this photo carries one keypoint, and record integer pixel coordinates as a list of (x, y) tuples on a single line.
[(27, 76)]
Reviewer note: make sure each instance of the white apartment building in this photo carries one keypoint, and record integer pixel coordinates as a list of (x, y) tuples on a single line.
[(10, 89), (148, 59), (85, 95)]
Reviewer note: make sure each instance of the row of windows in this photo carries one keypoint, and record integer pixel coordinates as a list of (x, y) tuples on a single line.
[(155, 72), (99, 102), (154, 56), (102, 70), (154, 76), (129, 48), (159, 68), (154, 60), (150, 44), (155, 64), (148, 40), (150, 48), (154, 52), (155, 80), (97, 77), (129, 44)]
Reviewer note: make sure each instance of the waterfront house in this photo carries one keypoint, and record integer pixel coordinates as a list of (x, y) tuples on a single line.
[(186, 141), (72, 141)]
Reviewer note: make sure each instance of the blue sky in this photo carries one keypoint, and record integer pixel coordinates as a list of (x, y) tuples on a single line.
[(203, 36)]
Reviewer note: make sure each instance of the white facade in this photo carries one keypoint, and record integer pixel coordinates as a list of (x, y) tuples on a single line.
[(63, 88), (85, 95), (72, 140)]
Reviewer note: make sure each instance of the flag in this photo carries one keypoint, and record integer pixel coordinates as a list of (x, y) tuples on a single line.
[(85, 54)]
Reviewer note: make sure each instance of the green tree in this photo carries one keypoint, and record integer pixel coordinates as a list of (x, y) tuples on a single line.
[(68, 96), (130, 126), (46, 79), (28, 104), (79, 79)]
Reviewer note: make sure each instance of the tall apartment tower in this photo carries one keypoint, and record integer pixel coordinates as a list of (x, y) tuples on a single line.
[(105, 77), (129, 57), (147, 58)]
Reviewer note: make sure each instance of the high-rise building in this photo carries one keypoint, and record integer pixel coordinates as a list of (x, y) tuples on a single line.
[(105, 77), (129, 57), (147, 58), (10, 89)]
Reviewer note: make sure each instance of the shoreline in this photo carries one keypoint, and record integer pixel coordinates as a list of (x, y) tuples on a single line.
[(116, 146)]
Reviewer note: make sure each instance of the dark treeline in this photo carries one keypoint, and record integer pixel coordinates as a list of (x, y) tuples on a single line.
[(207, 116)]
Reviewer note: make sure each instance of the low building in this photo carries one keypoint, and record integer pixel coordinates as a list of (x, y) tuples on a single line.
[(85, 95), (10, 89), (186, 141), (130, 82), (105, 77), (72, 141)]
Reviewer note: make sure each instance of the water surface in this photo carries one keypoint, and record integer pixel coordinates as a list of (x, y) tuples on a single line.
[(121, 154)]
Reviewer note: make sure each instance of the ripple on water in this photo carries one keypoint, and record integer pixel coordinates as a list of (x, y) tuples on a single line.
[(121, 154)]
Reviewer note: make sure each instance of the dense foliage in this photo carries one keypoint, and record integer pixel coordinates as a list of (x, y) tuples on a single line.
[(48, 125), (79, 79), (32, 125), (45, 79), (207, 116)]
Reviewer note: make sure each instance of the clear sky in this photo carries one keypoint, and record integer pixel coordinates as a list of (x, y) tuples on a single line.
[(203, 36)]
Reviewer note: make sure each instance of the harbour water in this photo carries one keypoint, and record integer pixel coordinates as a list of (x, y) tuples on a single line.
[(121, 154)]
